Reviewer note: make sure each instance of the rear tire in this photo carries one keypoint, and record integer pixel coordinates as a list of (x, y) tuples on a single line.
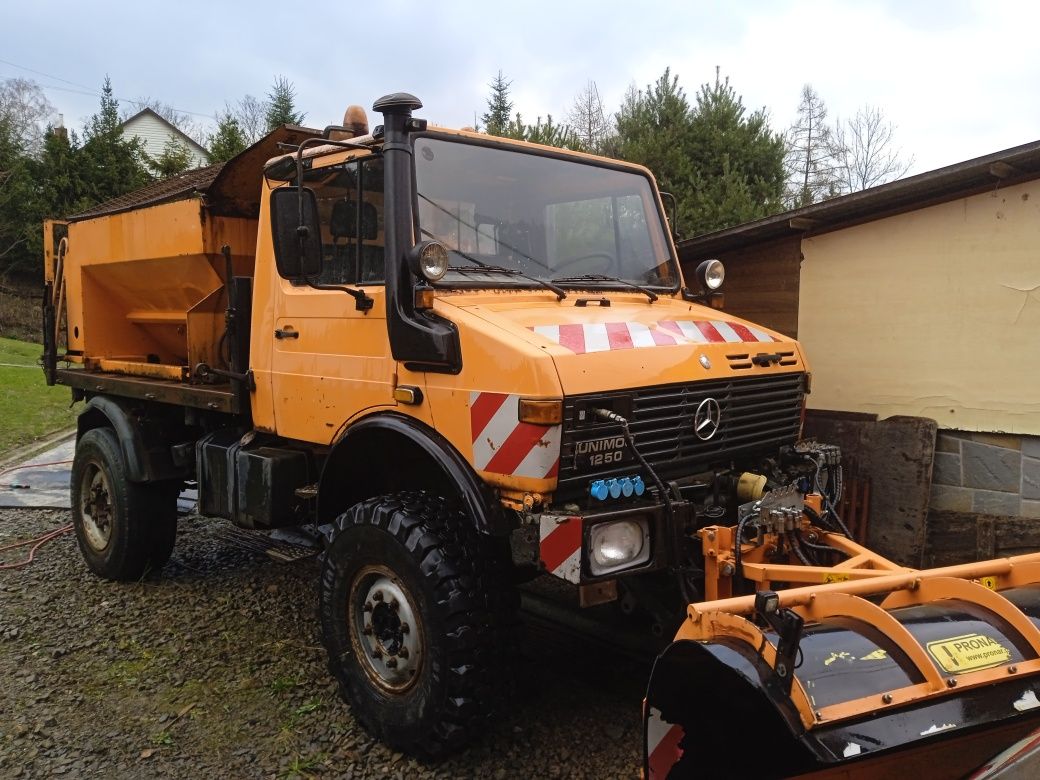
[(123, 528), (407, 573)]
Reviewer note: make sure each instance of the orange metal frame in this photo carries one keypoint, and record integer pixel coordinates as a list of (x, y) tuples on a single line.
[(831, 594)]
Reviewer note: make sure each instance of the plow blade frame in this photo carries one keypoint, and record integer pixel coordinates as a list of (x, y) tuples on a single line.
[(927, 671)]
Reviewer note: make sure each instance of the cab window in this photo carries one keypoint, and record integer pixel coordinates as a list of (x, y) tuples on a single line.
[(350, 210)]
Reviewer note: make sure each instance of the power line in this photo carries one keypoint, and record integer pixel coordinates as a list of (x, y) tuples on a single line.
[(85, 90)]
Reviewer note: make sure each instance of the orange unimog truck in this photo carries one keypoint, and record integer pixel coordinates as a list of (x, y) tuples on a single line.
[(469, 361)]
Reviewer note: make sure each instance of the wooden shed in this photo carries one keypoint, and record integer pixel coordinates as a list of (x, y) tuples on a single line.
[(918, 299)]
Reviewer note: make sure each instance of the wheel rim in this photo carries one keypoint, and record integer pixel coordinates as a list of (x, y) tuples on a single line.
[(95, 506), (384, 629)]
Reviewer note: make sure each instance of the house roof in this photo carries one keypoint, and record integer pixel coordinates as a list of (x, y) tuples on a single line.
[(1010, 166), (231, 188)]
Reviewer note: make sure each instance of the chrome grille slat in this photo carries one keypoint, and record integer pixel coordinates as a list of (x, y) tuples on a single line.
[(759, 414)]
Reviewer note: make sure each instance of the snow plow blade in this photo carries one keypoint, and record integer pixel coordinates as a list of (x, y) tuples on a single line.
[(917, 671)]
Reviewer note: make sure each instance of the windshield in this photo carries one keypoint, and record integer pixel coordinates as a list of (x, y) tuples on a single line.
[(539, 216)]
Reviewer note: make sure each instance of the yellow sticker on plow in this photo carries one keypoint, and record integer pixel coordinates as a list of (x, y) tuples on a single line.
[(968, 653), (835, 577)]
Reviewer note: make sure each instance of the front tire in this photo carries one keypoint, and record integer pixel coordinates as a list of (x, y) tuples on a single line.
[(123, 528), (414, 609)]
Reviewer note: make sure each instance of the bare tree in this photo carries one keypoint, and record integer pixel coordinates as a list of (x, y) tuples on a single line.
[(810, 168), (588, 119), (183, 121), (251, 115), (864, 152), (27, 111)]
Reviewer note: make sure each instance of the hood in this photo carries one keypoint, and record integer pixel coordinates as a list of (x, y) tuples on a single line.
[(612, 341)]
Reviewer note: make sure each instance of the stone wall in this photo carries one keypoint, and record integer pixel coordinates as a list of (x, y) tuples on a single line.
[(988, 473)]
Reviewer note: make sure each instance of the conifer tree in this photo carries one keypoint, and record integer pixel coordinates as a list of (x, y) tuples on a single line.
[(281, 105), (228, 140), (499, 115), (113, 165)]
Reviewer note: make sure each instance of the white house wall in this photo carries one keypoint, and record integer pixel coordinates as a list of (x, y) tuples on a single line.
[(934, 313), (154, 133)]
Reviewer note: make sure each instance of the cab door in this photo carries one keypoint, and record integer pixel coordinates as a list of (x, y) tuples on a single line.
[(331, 360)]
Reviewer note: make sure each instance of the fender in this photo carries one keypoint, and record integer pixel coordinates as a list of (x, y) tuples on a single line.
[(379, 446), (145, 446)]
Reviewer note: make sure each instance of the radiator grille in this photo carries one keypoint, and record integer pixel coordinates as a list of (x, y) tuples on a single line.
[(758, 415)]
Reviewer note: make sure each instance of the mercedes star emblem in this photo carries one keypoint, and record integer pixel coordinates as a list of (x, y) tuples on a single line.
[(706, 420)]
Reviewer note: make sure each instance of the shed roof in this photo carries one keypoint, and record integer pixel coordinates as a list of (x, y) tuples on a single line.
[(1020, 163), (232, 188)]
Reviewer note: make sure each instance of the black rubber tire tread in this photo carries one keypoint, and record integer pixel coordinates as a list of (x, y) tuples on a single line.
[(464, 581), (144, 516)]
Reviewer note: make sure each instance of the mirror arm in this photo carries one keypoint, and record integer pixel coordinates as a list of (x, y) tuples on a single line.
[(362, 301), (674, 214), (302, 230)]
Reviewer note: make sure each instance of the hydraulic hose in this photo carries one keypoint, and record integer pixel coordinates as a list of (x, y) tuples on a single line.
[(741, 524), (828, 501), (796, 545), (606, 414)]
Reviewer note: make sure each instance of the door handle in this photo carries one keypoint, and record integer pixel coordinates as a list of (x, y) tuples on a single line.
[(286, 333)]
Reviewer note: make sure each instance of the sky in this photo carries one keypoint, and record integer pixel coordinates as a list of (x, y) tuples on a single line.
[(958, 79)]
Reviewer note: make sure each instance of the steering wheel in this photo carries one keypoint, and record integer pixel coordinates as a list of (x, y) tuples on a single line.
[(607, 256)]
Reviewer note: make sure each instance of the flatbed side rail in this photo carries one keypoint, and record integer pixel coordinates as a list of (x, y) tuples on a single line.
[(217, 398)]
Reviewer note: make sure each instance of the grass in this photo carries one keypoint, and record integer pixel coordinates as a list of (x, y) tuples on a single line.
[(29, 410)]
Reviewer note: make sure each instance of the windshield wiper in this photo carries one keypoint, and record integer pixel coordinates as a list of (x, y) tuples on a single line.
[(603, 278), (481, 266)]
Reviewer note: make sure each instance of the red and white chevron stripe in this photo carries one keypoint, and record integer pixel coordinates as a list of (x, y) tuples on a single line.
[(662, 745), (504, 445), (608, 336), (560, 546)]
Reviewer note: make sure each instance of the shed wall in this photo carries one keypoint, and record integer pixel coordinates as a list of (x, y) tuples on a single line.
[(932, 313), (761, 282)]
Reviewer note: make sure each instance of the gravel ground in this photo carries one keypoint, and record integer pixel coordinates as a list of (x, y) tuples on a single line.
[(215, 669)]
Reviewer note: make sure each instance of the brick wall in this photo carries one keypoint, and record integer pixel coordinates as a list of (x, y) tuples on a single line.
[(988, 473)]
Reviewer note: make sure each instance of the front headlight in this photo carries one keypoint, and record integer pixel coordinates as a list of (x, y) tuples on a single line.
[(429, 259), (618, 545)]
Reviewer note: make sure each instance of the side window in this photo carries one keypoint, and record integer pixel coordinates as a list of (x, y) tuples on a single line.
[(350, 209), (373, 243)]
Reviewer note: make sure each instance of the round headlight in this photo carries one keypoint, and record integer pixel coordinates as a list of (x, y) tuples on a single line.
[(616, 543), (429, 259), (711, 274)]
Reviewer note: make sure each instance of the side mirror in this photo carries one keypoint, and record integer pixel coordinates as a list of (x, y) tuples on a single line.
[(296, 233)]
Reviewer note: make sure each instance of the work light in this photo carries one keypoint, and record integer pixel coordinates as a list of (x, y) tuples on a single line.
[(711, 274)]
